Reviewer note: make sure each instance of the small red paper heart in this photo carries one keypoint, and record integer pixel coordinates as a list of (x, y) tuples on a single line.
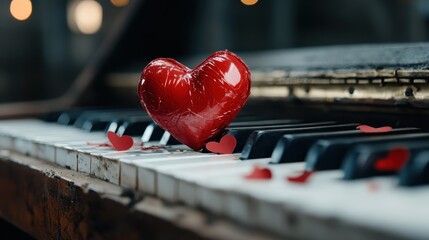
[(301, 178), (195, 105), (369, 129), (259, 173), (394, 161), (226, 145), (120, 143)]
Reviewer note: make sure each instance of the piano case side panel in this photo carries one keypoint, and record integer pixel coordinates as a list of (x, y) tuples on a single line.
[(35, 198)]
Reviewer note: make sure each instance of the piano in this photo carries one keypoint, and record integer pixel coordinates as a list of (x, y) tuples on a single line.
[(59, 180)]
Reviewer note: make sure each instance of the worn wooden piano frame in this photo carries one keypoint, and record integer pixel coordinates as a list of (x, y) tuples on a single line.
[(51, 202)]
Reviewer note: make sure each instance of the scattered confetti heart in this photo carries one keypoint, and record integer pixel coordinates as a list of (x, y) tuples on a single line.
[(394, 160), (259, 173), (369, 129), (226, 145), (120, 143), (301, 178)]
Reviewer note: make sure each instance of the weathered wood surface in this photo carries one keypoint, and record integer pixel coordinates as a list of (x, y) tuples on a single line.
[(50, 202)]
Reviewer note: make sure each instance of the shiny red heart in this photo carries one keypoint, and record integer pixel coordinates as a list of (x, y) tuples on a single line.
[(259, 173), (369, 129), (226, 145), (120, 143), (194, 105), (394, 160)]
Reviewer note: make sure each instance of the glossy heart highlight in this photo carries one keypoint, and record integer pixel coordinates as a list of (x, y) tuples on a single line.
[(194, 105)]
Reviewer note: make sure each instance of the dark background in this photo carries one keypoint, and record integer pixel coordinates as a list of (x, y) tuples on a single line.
[(41, 56)]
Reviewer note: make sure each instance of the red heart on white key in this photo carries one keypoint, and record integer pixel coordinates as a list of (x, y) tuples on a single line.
[(259, 173), (226, 145), (303, 177), (120, 143)]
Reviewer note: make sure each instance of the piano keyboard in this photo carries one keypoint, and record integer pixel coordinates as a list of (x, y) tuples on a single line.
[(337, 202)]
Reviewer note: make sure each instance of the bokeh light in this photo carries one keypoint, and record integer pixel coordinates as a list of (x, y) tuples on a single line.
[(249, 2), (85, 16), (120, 3), (21, 9)]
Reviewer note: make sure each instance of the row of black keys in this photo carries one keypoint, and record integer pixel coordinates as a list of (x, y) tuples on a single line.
[(323, 145)]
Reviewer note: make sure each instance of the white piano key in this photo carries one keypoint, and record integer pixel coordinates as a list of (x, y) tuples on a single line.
[(66, 153), (146, 169), (210, 192), (237, 201), (67, 158), (314, 204), (83, 163), (188, 189), (401, 212), (253, 205), (107, 165), (103, 168), (167, 186), (84, 160), (128, 171), (128, 176), (128, 168), (46, 152), (23, 146), (6, 142)]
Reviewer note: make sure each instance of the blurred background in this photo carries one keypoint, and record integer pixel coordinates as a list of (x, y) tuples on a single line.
[(44, 45)]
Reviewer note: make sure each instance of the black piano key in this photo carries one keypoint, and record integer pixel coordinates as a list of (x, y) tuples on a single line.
[(167, 139), (261, 144), (121, 124), (134, 126), (51, 116), (241, 134), (361, 161), (92, 125), (329, 154), (156, 133), (103, 115), (114, 125), (253, 122), (69, 117), (416, 171), (294, 147), (88, 116), (153, 132)]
